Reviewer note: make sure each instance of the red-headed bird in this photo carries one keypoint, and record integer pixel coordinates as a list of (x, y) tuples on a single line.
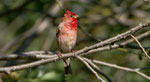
[(66, 34)]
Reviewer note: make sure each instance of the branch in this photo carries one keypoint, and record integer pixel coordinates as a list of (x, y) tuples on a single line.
[(27, 55), (8, 70), (121, 68), (97, 68), (140, 46), (123, 44), (89, 67), (136, 47)]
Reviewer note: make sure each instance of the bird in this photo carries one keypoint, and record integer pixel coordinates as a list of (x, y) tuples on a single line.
[(66, 34)]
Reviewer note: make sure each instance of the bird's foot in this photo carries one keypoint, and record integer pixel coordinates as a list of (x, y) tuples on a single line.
[(74, 53), (59, 55)]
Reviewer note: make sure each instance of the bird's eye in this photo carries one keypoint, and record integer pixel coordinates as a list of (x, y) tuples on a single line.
[(71, 16)]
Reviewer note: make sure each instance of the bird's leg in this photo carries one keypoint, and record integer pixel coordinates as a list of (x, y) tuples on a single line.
[(59, 55), (74, 53)]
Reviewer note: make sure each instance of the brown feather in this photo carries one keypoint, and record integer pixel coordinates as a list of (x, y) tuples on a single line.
[(57, 32)]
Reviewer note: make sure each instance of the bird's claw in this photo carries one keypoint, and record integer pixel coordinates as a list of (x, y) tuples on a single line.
[(74, 53), (59, 55)]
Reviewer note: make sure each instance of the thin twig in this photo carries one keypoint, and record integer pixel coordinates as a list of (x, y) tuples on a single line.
[(61, 5), (121, 68), (97, 68), (92, 70), (140, 46), (88, 34), (136, 47)]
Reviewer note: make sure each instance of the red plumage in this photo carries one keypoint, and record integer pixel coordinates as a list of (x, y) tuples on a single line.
[(66, 34), (71, 18)]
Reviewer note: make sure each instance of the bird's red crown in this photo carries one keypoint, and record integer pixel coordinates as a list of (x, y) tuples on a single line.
[(71, 18)]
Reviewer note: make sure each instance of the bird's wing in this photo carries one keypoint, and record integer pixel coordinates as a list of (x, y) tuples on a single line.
[(59, 28), (57, 31)]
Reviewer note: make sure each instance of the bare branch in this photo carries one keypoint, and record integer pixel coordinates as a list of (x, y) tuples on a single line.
[(25, 66), (140, 46), (92, 70), (123, 44), (97, 68), (27, 55), (121, 68)]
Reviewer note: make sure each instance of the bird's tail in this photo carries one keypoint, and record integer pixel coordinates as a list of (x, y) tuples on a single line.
[(67, 66)]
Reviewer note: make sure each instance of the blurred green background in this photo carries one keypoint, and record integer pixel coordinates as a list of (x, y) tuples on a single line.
[(29, 25)]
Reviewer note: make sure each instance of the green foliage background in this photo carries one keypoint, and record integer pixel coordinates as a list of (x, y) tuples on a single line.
[(101, 18)]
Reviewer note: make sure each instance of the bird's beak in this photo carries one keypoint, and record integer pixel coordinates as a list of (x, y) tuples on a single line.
[(76, 16)]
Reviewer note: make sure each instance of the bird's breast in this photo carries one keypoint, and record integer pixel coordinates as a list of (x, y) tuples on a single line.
[(67, 40)]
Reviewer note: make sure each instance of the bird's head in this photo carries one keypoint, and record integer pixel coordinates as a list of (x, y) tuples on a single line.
[(71, 17)]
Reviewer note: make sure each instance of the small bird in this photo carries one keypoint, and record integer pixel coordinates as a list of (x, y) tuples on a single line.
[(66, 35)]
